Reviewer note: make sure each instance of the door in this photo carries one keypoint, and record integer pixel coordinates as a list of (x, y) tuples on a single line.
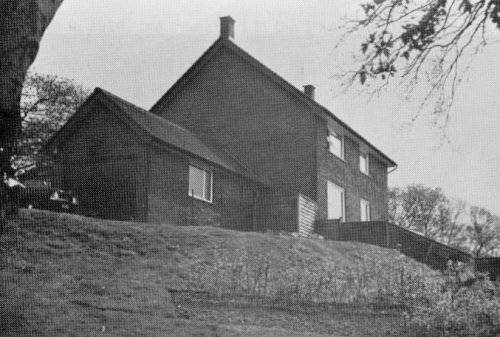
[(336, 202)]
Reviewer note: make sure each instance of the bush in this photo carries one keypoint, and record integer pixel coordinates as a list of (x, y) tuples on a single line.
[(461, 311)]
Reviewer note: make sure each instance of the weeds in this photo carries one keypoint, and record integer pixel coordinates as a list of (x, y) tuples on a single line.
[(472, 311), (246, 273)]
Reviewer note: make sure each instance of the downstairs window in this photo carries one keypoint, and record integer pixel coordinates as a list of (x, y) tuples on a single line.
[(200, 184), (365, 210)]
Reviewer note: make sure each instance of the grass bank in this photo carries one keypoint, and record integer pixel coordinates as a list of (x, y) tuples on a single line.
[(70, 275)]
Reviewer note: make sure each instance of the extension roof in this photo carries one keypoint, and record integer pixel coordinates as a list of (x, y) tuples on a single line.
[(296, 93), (156, 128)]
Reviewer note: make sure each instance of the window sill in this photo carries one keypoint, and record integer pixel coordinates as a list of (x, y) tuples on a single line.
[(340, 220), (335, 156), (201, 199)]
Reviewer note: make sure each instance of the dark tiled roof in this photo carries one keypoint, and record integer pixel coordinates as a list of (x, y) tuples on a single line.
[(172, 134), (212, 50)]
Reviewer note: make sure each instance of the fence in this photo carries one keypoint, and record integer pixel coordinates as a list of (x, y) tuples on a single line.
[(306, 215), (490, 265), (425, 250)]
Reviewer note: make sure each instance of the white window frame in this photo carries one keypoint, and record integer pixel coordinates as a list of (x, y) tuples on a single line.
[(365, 205), (334, 186), (331, 135), (206, 174), (366, 168)]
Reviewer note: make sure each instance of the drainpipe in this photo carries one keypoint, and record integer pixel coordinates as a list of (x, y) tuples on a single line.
[(387, 236)]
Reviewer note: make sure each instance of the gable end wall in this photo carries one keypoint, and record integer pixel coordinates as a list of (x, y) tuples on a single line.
[(234, 107), (105, 164)]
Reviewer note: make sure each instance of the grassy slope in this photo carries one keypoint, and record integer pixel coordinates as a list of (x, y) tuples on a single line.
[(64, 275)]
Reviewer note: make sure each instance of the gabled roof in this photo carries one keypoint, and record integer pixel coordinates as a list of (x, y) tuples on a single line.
[(160, 130), (296, 93)]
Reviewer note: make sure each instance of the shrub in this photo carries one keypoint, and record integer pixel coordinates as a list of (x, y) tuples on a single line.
[(461, 311)]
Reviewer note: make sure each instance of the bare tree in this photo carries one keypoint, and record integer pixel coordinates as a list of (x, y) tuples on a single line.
[(417, 207), (428, 211), (483, 235), (422, 41), (22, 24), (450, 224)]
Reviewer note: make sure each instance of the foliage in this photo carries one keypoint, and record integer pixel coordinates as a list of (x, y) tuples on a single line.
[(427, 210), (482, 233), (46, 104), (422, 41), (461, 311)]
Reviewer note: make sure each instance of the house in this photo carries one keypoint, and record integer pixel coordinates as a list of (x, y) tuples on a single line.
[(230, 143)]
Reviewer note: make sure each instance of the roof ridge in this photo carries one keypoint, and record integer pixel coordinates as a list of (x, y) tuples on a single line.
[(221, 158), (148, 113), (302, 95), (171, 92), (177, 83), (106, 92)]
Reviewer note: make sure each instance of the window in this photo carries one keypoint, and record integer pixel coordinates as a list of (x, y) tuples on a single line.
[(336, 202), (365, 210), (336, 144), (200, 184), (364, 165)]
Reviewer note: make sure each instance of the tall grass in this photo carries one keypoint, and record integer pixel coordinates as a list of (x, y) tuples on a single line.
[(368, 281)]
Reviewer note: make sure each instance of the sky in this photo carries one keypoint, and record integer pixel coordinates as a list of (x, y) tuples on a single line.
[(137, 49)]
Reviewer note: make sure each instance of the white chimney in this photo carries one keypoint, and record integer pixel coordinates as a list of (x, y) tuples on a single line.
[(227, 27), (309, 91)]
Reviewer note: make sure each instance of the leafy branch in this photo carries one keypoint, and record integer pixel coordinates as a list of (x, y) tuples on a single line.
[(423, 42)]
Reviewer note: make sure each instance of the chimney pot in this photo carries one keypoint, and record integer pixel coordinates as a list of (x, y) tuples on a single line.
[(309, 91), (227, 27)]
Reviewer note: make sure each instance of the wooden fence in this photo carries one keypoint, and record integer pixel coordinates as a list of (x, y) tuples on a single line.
[(382, 233), (306, 215)]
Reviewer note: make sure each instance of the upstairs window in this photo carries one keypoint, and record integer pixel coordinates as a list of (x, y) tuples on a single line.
[(200, 184), (336, 145), (364, 164), (365, 210)]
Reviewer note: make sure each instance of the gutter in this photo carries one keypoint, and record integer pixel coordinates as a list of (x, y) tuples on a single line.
[(394, 169)]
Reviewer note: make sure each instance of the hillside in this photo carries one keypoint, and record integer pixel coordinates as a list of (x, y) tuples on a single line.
[(67, 275)]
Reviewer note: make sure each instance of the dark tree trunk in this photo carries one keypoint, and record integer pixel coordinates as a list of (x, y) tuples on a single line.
[(22, 24)]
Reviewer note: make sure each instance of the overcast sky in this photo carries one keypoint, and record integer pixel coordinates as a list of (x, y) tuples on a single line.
[(137, 49)]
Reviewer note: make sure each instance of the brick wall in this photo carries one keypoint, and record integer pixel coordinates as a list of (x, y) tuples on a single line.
[(346, 174), (118, 175), (277, 211), (232, 105), (104, 164), (234, 197)]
